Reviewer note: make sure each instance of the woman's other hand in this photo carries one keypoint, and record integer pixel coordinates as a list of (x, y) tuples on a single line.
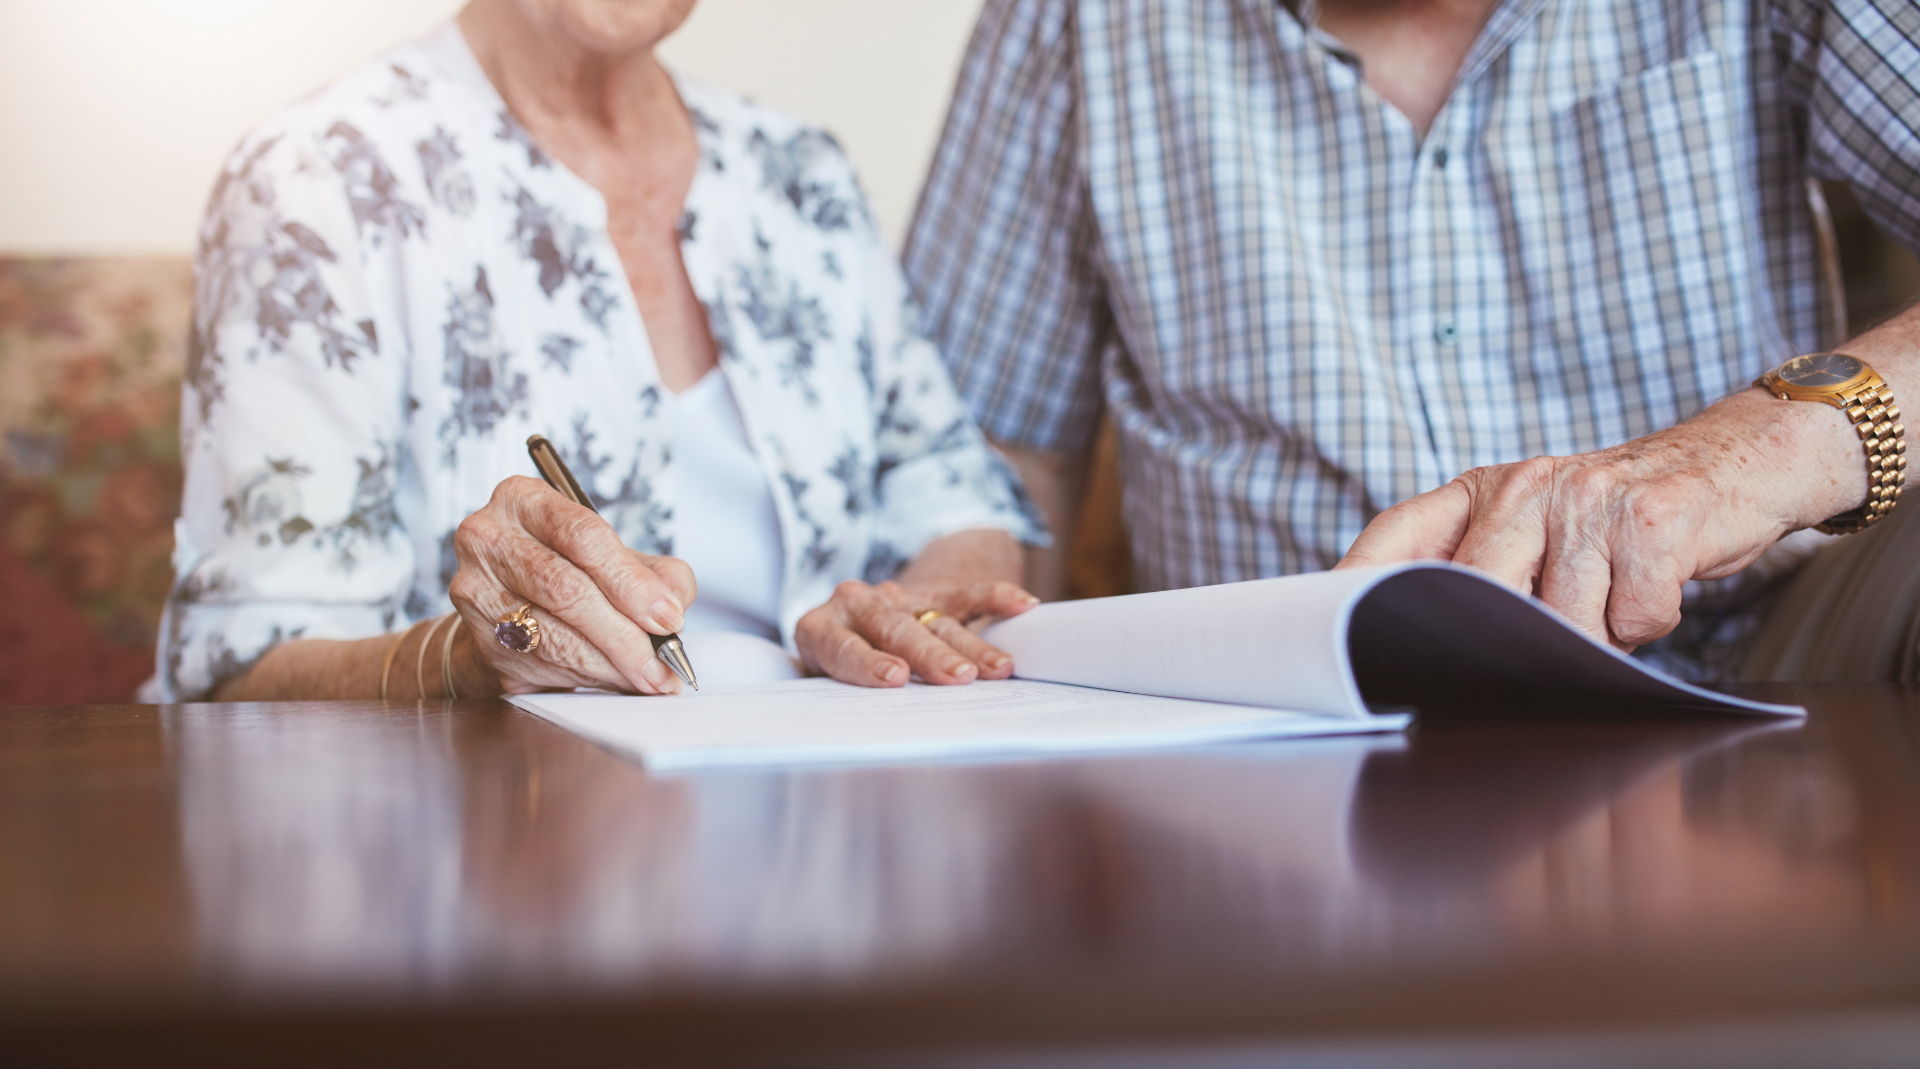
[(595, 599), (871, 636)]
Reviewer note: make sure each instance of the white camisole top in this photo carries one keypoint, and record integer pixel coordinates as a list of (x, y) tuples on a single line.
[(725, 526)]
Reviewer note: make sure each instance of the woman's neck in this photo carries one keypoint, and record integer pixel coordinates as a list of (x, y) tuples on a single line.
[(613, 117), (581, 105)]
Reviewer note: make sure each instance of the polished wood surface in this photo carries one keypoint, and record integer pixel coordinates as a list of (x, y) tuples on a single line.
[(332, 882)]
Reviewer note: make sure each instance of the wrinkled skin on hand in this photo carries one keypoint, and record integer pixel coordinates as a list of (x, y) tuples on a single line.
[(1608, 538), (596, 600), (868, 635)]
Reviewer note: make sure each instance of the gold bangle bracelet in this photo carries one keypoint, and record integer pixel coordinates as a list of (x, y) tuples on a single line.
[(386, 664), (419, 662), (446, 658)]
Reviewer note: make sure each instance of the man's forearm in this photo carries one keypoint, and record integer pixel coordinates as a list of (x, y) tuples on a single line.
[(1609, 538), (1057, 483)]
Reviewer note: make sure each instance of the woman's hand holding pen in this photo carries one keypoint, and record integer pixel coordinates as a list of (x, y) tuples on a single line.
[(595, 599)]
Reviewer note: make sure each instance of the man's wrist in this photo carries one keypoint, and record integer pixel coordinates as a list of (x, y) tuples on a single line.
[(1809, 452)]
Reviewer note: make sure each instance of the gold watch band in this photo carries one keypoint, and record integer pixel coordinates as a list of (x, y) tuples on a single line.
[(1876, 419)]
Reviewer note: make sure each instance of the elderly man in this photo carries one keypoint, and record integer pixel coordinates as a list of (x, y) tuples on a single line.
[(1318, 261)]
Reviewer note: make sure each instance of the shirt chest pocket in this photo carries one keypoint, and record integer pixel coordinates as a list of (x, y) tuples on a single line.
[(1642, 232), (1655, 131)]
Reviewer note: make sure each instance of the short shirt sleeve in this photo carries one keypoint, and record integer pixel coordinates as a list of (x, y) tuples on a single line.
[(1852, 63)]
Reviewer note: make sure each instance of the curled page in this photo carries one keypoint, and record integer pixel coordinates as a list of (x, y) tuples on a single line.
[(1426, 634)]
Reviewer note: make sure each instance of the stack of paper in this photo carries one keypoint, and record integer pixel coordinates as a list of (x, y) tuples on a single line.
[(1270, 658), (819, 721)]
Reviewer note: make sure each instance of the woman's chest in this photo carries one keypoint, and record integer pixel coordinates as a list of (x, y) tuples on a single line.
[(644, 232), (578, 328)]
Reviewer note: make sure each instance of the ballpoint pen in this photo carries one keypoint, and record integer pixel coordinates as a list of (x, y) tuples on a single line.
[(668, 648)]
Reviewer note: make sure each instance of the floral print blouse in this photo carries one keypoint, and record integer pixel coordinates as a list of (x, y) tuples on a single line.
[(396, 287)]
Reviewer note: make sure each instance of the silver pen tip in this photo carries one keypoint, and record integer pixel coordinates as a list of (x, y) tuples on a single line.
[(675, 655)]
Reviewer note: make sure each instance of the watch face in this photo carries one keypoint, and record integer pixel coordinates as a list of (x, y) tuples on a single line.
[(1820, 369)]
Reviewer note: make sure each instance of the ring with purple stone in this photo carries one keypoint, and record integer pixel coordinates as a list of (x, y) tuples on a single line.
[(518, 630)]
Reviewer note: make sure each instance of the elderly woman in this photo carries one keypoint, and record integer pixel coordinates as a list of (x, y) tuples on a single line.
[(524, 225)]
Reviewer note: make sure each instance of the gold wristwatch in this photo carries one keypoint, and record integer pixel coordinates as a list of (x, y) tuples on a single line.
[(1848, 384)]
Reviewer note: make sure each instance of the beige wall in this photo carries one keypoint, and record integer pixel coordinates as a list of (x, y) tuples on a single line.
[(115, 114)]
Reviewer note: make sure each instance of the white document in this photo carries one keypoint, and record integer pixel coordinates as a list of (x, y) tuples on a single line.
[(820, 721), (1319, 654)]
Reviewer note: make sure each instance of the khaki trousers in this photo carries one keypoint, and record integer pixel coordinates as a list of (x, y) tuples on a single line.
[(1851, 614)]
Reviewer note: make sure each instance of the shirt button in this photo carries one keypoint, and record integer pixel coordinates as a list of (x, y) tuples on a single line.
[(1440, 158), (1446, 332)]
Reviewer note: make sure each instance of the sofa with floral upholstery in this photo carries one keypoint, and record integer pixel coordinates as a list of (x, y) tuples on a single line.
[(90, 359)]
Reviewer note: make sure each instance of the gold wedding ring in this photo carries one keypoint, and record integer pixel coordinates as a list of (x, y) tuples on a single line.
[(927, 616), (518, 630)]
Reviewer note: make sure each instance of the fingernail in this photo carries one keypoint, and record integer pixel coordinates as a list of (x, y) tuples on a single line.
[(998, 662), (888, 672), (960, 669), (667, 615), (1032, 601), (656, 675)]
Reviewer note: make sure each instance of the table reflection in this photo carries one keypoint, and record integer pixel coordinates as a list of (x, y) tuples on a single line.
[(1591, 834), (435, 848), (319, 846)]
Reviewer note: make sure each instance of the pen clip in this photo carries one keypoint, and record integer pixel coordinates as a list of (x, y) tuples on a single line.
[(554, 470)]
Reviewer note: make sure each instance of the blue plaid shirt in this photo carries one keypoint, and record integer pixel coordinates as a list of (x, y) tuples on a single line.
[(1196, 215)]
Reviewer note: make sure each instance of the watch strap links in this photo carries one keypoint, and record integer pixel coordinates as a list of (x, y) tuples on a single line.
[(1876, 419)]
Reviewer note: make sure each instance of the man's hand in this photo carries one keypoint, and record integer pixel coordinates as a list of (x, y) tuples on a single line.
[(1608, 538)]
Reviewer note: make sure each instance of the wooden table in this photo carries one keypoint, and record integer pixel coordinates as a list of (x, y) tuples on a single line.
[(351, 884)]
